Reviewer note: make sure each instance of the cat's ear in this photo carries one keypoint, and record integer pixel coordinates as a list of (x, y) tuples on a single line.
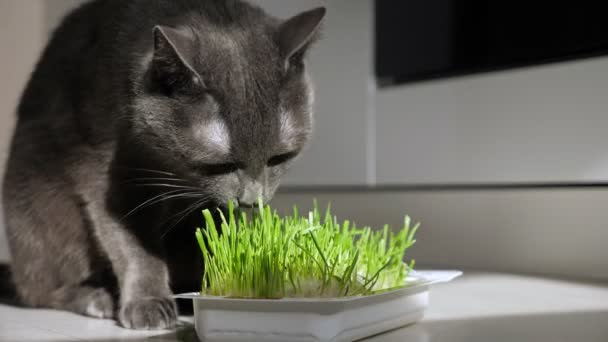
[(298, 33), (172, 62)]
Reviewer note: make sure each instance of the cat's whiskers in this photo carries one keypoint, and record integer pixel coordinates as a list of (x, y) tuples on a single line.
[(183, 214), (174, 194), (125, 117), (155, 179), (175, 186), (165, 180), (149, 170)]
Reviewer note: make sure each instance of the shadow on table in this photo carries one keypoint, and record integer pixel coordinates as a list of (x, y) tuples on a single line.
[(8, 296)]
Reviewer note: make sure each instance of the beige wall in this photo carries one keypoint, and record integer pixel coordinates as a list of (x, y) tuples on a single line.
[(22, 35), (54, 10)]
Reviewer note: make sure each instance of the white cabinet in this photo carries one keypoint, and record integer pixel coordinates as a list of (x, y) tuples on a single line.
[(531, 125)]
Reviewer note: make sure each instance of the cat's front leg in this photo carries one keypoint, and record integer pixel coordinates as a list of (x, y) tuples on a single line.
[(145, 296), (143, 277), (138, 261)]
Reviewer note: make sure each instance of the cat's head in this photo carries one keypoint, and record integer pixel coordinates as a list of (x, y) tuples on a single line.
[(227, 104)]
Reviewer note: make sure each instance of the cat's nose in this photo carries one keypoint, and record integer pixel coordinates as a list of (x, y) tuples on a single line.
[(252, 193)]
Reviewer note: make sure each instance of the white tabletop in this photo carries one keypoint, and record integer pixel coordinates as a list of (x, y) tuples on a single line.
[(478, 307)]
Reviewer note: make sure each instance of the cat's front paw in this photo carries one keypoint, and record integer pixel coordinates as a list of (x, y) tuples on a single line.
[(99, 304), (149, 314)]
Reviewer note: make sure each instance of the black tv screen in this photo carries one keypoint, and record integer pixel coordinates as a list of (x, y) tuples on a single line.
[(424, 39)]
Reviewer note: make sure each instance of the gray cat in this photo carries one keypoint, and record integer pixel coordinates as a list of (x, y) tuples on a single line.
[(139, 114)]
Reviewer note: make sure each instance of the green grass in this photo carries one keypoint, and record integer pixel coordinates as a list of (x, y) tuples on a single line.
[(267, 256)]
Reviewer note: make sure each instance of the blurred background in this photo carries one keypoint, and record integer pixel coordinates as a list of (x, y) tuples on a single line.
[(486, 121)]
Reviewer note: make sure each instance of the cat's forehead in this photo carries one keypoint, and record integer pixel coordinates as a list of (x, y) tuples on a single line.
[(232, 60), (221, 43)]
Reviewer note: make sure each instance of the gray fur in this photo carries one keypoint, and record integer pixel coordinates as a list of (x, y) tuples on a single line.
[(117, 117)]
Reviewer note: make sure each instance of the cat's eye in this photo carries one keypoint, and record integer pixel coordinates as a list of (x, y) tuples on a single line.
[(281, 159), (220, 169)]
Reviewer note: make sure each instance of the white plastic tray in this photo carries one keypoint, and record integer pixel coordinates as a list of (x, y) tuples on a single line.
[(219, 319)]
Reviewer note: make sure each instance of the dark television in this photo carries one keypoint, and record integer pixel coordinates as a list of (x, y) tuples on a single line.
[(424, 39)]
